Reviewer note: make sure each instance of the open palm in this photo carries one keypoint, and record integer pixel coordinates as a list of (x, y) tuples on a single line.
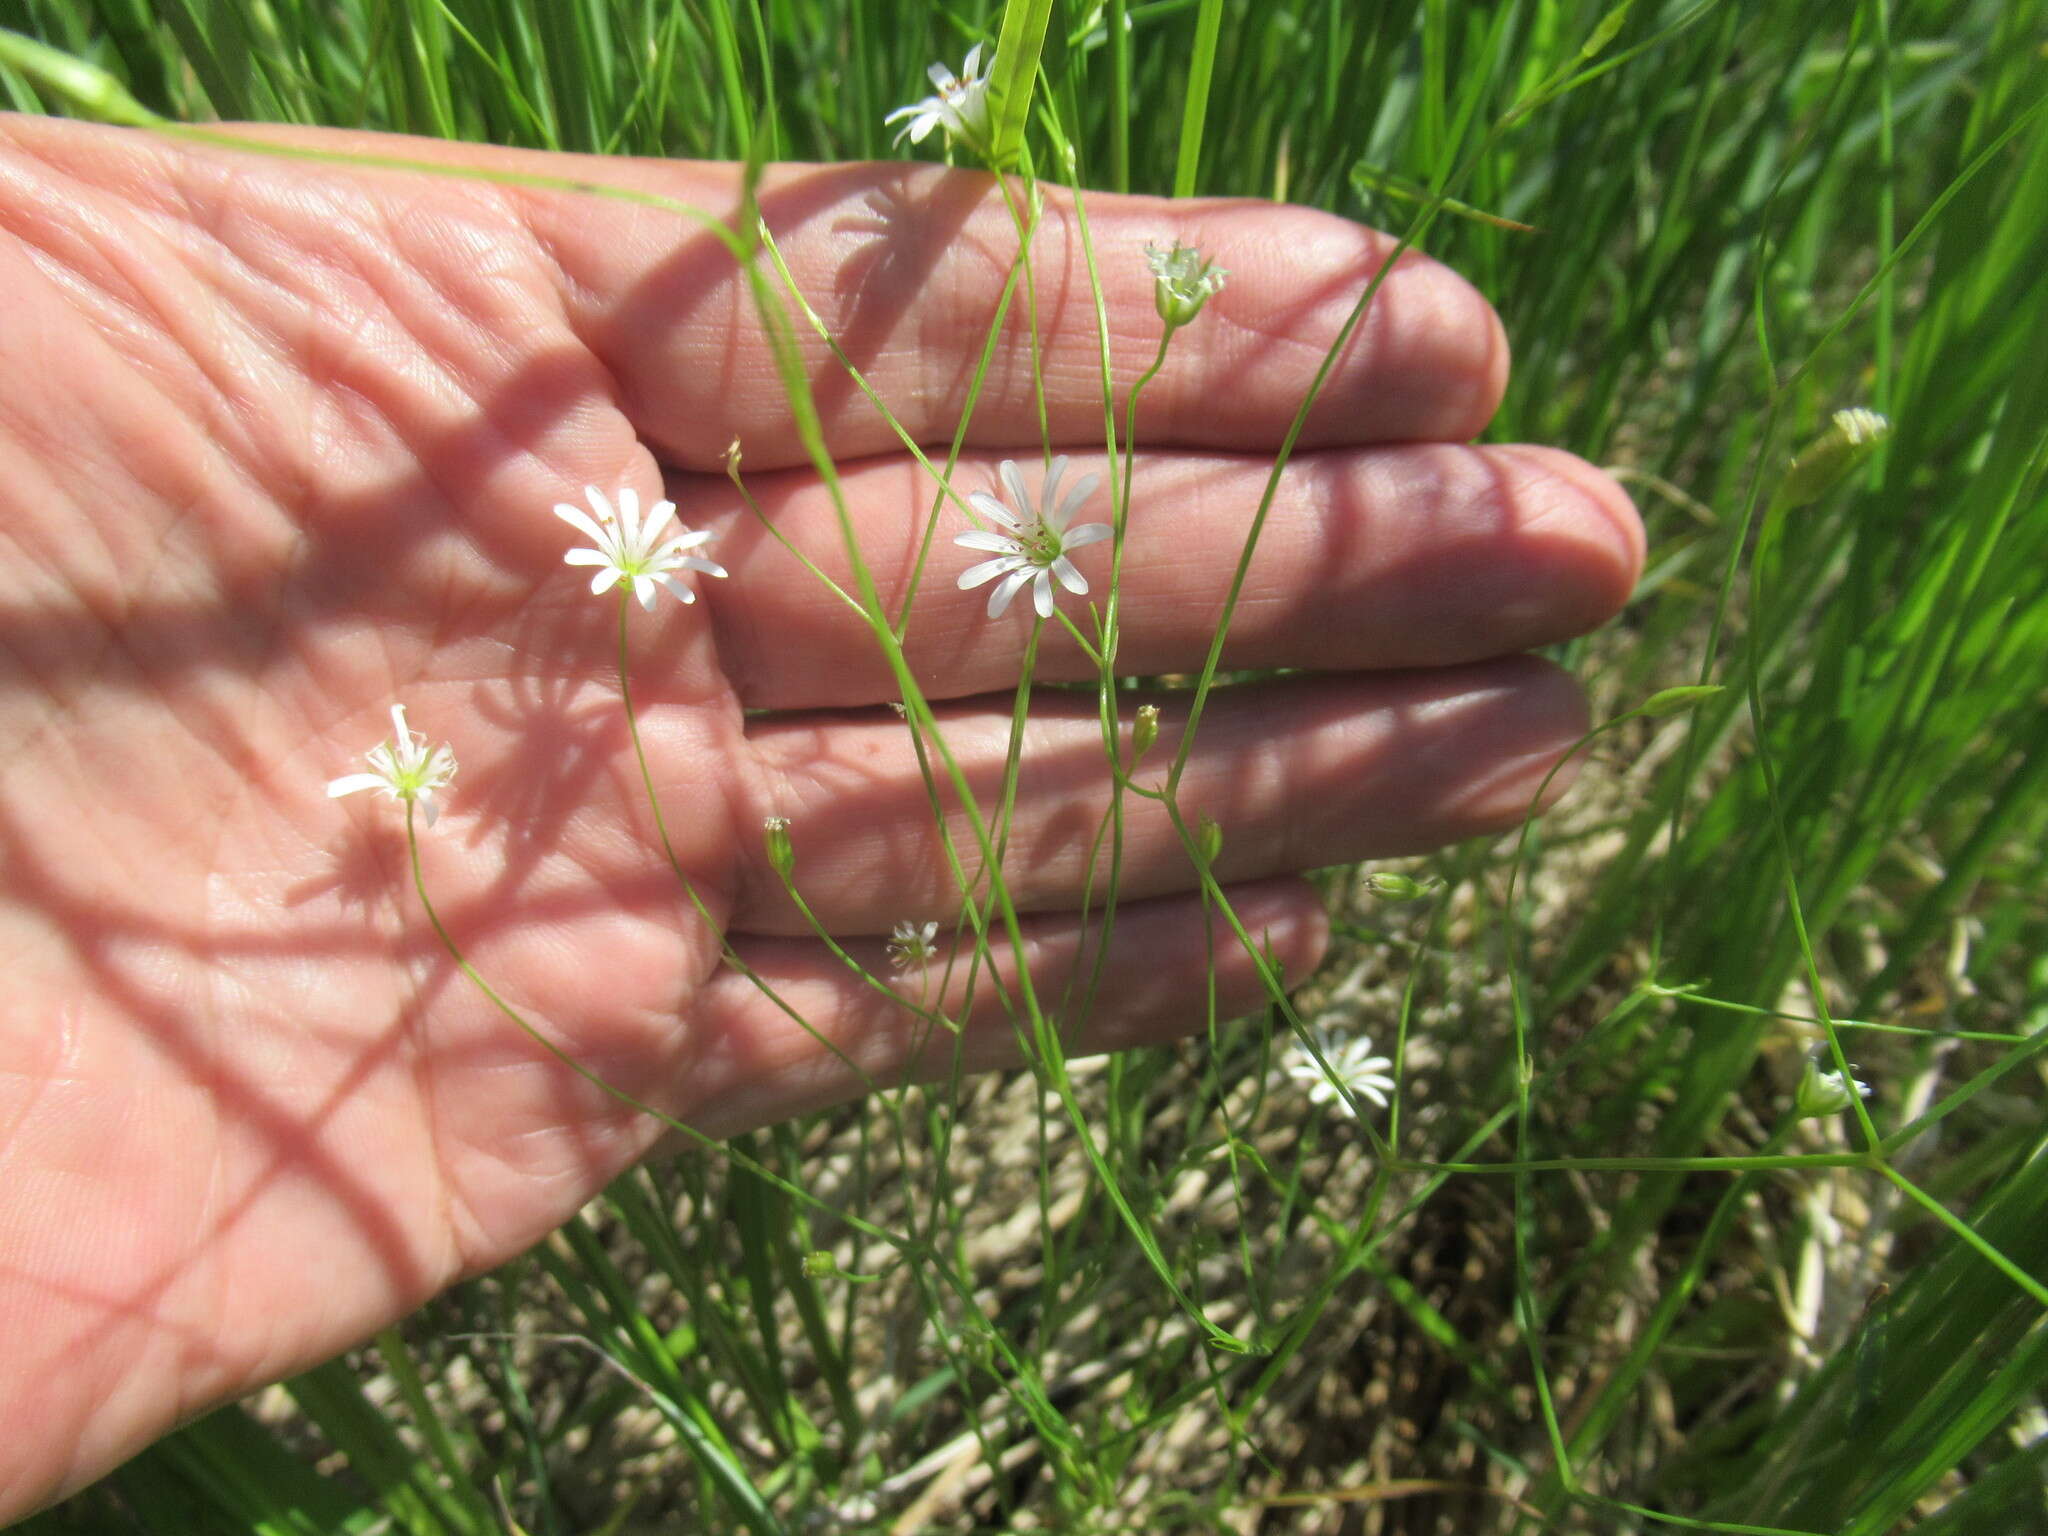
[(280, 441)]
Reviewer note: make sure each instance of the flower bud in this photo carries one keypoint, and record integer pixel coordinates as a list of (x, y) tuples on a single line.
[(1672, 701), (1145, 732), (1209, 838), (819, 1265), (1182, 282), (1398, 887), (1826, 1093), (775, 834), (1817, 468)]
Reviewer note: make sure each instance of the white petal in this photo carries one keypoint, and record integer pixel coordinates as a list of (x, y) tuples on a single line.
[(604, 580), (678, 589), (708, 567), (633, 532), (990, 541), (988, 570), (973, 64), (1086, 534), (688, 540), (940, 75), (669, 554), (1070, 578), (578, 519), (427, 806), (1071, 502), (643, 588), (1048, 488), (993, 510), (1014, 484), (601, 503), (658, 516), (399, 730), (1041, 594), (586, 557), (999, 599), (353, 783)]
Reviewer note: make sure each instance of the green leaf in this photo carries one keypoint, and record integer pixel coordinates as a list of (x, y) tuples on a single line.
[(1012, 77)]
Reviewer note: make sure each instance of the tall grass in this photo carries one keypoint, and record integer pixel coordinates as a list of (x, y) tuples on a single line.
[(1600, 1278)]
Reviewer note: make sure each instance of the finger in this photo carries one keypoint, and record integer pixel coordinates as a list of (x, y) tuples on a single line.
[(905, 264), (1404, 556), (760, 1064), (1298, 774)]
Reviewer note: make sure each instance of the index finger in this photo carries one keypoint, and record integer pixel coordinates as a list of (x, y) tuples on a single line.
[(906, 266)]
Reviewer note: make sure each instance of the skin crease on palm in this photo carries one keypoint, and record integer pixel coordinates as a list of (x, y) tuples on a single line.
[(280, 439)]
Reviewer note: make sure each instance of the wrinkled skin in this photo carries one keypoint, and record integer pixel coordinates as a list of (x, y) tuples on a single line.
[(280, 439)]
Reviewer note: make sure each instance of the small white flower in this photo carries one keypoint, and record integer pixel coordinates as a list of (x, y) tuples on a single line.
[(402, 768), (961, 107), (1352, 1064), (1035, 547), (1861, 426), (628, 550), (1851, 438), (1182, 282), (1821, 1094), (913, 944)]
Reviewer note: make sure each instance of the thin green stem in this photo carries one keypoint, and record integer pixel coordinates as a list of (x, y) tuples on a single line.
[(1965, 1232)]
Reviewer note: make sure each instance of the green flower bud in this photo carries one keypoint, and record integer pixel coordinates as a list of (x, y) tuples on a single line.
[(1209, 837), (775, 834), (819, 1265), (1672, 701), (1145, 732), (1182, 282), (1851, 438), (1399, 887)]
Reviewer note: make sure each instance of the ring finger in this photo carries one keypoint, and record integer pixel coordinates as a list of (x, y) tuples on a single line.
[(1297, 774)]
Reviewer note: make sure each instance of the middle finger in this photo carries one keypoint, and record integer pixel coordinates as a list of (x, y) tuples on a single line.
[(1395, 556)]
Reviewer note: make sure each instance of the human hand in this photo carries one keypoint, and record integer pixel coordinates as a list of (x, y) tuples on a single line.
[(280, 443)]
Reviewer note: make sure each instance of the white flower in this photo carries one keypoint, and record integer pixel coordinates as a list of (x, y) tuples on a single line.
[(912, 944), (403, 768), (628, 553), (1182, 282), (1860, 426), (1851, 438), (1352, 1064), (1035, 547), (1821, 1094), (961, 107)]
